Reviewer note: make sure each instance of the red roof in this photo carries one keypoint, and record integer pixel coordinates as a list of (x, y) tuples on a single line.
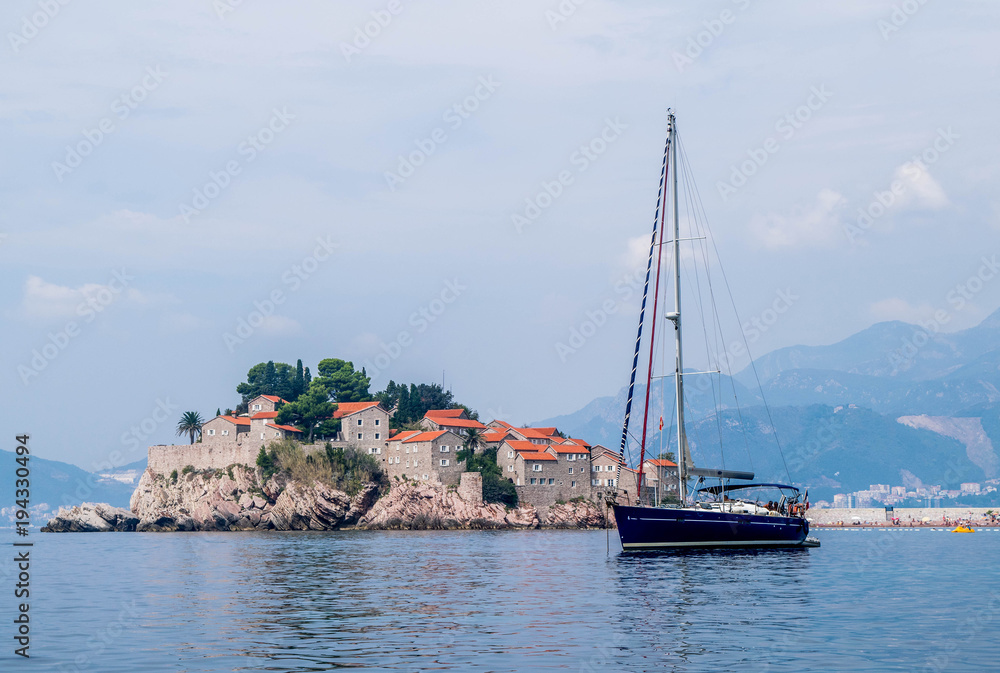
[(538, 456), (236, 421), (661, 462), (581, 442), (569, 448), (503, 423), (497, 436), (284, 427), (448, 422), (445, 413), (535, 433), (424, 436), (265, 414), (404, 434), (520, 445), (348, 408), (274, 398)]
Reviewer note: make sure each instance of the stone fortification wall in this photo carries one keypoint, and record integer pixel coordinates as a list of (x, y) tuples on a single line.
[(214, 455), (470, 488), (878, 515)]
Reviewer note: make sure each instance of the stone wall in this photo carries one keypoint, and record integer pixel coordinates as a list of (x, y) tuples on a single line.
[(470, 488), (163, 459), (905, 514), (215, 455)]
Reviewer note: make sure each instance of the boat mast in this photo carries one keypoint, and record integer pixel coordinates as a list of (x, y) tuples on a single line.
[(675, 317)]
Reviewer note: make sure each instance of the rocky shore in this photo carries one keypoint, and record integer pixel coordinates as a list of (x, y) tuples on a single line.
[(240, 499)]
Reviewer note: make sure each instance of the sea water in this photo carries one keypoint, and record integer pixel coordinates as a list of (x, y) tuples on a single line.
[(867, 600)]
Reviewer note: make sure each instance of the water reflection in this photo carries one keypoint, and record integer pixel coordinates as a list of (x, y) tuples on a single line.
[(508, 601)]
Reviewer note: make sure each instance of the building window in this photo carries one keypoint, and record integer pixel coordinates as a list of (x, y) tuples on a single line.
[(532, 481), (361, 435), (536, 468), (262, 435), (598, 468), (510, 468), (572, 484), (225, 432), (407, 449), (378, 435), (256, 407), (378, 422), (414, 462), (595, 482), (414, 449), (510, 454), (397, 460), (572, 456), (551, 481), (571, 470), (444, 462), (444, 448), (211, 431), (407, 462), (425, 477)]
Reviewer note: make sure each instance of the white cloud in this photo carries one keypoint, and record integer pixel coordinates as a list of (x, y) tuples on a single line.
[(279, 325), (895, 308), (47, 301), (921, 190), (817, 225)]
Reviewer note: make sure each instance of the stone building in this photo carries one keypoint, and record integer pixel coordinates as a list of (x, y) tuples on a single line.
[(364, 425), (453, 420), (424, 456)]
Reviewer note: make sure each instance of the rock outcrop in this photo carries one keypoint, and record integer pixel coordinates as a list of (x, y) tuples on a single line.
[(92, 518), (410, 505), (238, 499)]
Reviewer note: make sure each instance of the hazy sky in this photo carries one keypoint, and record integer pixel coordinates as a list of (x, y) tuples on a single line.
[(171, 169)]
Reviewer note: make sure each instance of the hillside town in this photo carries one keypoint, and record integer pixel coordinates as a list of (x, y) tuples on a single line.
[(928, 495), (544, 466)]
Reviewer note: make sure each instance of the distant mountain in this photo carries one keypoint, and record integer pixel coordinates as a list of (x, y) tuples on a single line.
[(847, 414), (55, 484), (888, 349)]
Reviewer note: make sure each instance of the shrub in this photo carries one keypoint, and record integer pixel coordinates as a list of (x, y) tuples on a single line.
[(188, 469), (173, 476), (344, 469)]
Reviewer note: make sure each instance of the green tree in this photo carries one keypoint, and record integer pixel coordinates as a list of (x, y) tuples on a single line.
[(269, 378), (342, 382), (473, 440), (190, 424), (299, 384), (496, 488), (309, 411), (218, 411)]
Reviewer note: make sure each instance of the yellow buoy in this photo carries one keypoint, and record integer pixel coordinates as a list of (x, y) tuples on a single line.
[(963, 529)]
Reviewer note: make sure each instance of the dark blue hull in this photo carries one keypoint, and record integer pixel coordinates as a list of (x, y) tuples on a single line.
[(667, 528)]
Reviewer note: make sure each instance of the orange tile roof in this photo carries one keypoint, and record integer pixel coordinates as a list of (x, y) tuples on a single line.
[(444, 413), (661, 462), (403, 434), (581, 442), (284, 427), (536, 433), (265, 414), (274, 398), (538, 456), (503, 423), (348, 408), (497, 436), (568, 448), (522, 445), (457, 422), (235, 420), (424, 436)]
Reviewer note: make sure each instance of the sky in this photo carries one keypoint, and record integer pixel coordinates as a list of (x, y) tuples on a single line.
[(462, 191)]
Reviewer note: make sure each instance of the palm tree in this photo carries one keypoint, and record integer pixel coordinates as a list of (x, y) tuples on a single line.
[(473, 439), (190, 424)]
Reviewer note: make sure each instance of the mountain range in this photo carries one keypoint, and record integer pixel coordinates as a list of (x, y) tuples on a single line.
[(896, 404)]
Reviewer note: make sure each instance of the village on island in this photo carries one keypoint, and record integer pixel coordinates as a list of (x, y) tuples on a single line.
[(544, 466)]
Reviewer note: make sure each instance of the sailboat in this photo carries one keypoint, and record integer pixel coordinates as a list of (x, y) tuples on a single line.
[(726, 514)]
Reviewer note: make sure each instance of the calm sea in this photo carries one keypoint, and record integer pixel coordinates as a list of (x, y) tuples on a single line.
[(915, 600)]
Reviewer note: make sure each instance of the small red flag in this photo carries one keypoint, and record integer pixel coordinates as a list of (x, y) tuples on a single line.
[(661, 422)]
